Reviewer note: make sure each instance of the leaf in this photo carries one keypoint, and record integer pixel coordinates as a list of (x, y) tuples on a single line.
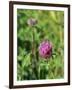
[(26, 60)]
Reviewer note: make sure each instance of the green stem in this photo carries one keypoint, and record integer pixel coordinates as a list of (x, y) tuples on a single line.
[(34, 59)]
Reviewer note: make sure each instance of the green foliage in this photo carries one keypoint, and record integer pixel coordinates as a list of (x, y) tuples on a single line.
[(50, 26)]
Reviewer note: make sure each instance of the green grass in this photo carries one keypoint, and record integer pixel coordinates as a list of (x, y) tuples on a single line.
[(50, 26)]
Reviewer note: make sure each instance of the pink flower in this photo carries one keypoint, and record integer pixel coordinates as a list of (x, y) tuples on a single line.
[(45, 49)]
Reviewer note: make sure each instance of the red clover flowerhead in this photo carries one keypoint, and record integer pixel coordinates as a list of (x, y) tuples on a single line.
[(45, 49)]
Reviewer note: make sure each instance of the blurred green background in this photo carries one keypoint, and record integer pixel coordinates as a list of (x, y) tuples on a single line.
[(50, 26)]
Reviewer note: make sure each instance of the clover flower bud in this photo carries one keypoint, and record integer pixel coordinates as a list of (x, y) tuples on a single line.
[(32, 22)]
